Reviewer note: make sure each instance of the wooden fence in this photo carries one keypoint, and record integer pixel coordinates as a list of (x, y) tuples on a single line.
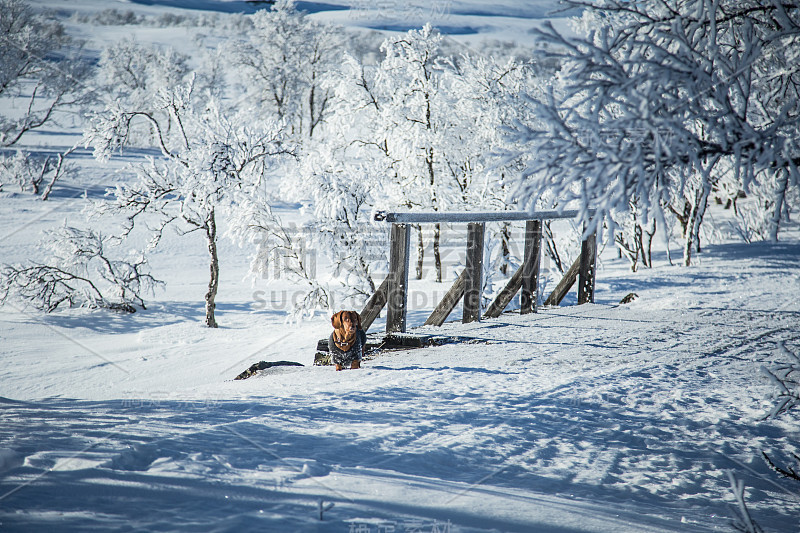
[(394, 289)]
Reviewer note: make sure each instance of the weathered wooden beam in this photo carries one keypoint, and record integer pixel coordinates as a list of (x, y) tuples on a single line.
[(397, 297), (389, 341), (564, 285), (473, 285), (374, 305), (417, 217), (586, 273), (449, 302), (505, 296), (530, 266)]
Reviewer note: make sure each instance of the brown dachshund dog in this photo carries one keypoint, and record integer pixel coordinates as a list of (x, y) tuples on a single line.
[(347, 341)]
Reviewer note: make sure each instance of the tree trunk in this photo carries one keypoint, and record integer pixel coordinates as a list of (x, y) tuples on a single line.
[(437, 258), (684, 220), (694, 221), (638, 243), (648, 250), (701, 213), (688, 237), (420, 251), (311, 107), (780, 203), (506, 238), (37, 180), (213, 284), (552, 249), (56, 175)]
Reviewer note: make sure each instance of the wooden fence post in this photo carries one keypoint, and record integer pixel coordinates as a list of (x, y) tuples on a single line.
[(398, 279), (586, 274), (474, 276), (530, 266)]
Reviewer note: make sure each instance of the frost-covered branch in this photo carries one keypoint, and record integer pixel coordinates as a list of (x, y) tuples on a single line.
[(743, 522), (280, 251), (787, 472), (79, 273), (36, 51), (30, 171), (660, 101), (786, 378)]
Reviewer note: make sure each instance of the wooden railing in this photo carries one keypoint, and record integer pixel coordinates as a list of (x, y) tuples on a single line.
[(394, 289)]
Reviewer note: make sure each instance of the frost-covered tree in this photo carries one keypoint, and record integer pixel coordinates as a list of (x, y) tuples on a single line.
[(283, 252), (487, 97), (79, 272), (132, 72), (633, 236), (33, 171), (420, 128), (207, 158), (769, 203), (284, 61), (661, 100), (340, 235), (41, 71), (342, 209)]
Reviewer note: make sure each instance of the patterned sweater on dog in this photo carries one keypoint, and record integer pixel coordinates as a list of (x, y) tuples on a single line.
[(340, 357)]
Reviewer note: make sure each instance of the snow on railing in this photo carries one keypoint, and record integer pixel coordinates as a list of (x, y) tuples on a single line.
[(418, 217)]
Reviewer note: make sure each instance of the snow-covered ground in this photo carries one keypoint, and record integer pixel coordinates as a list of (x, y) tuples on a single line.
[(602, 417)]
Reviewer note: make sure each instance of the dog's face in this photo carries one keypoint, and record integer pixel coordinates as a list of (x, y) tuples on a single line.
[(348, 321)]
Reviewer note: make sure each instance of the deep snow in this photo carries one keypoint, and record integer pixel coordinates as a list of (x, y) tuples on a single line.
[(603, 417)]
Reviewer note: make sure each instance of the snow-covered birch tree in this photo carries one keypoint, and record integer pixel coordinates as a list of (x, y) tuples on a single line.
[(660, 100), (340, 235), (207, 157), (41, 71), (420, 128), (284, 61), (132, 72)]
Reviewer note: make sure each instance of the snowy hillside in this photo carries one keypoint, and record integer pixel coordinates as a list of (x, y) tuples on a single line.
[(604, 417)]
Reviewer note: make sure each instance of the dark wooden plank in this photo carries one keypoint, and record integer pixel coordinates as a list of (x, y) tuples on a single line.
[(374, 305), (449, 302), (564, 285), (377, 342), (397, 297), (474, 278), (586, 273), (505, 296), (530, 266)]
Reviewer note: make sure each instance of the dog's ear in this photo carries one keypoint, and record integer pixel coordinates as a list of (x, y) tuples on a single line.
[(357, 319), (336, 320)]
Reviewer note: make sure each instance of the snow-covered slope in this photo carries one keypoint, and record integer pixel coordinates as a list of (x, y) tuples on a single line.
[(603, 417)]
